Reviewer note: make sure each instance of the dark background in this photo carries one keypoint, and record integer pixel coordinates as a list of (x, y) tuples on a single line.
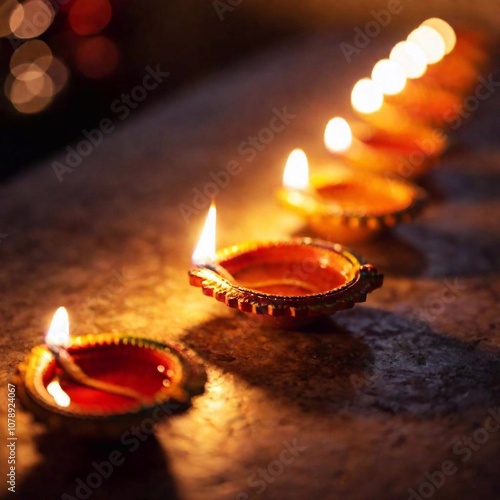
[(188, 39)]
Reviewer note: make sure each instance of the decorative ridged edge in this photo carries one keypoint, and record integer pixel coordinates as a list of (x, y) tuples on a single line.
[(191, 382), (367, 279), (310, 205)]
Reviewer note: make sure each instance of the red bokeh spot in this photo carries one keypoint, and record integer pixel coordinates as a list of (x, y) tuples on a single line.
[(97, 57), (88, 17)]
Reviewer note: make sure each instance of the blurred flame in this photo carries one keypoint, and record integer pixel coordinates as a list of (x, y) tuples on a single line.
[(366, 96), (389, 76), (57, 392), (338, 135), (33, 52), (296, 174), (206, 248), (445, 30), (411, 57), (431, 42), (58, 334)]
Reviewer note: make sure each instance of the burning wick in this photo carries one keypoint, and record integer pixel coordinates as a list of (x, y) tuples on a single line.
[(205, 252), (58, 334)]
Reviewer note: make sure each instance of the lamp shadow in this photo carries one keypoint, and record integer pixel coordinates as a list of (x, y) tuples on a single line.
[(77, 468), (363, 361)]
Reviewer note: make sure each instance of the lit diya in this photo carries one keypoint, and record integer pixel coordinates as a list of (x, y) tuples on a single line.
[(391, 121), (367, 148), (345, 205), (286, 283), (101, 385)]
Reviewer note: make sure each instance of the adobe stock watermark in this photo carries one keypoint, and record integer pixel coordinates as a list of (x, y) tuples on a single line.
[(259, 480), (223, 6), (249, 149), (373, 28), (463, 448), (454, 119), (130, 442), (121, 108)]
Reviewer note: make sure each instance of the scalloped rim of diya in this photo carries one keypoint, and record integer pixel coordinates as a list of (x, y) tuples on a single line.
[(312, 204), (188, 380), (363, 278)]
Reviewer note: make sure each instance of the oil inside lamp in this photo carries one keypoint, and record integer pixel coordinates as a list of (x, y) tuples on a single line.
[(286, 283), (347, 206), (100, 385)]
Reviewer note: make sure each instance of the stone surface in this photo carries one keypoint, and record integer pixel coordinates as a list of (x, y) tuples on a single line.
[(374, 398)]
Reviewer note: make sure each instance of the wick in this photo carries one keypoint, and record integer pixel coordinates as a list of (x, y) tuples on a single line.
[(221, 271), (66, 362)]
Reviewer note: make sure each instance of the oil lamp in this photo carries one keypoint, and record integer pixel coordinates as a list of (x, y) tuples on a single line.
[(285, 283), (368, 100), (369, 149), (345, 205), (100, 385)]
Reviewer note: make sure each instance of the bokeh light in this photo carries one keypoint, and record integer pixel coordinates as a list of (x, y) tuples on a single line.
[(431, 42), (445, 30), (411, 57), (96, 57), (366, 96), (88, 17), (7, 7), (33, 52), (31, 19), (389, 76)]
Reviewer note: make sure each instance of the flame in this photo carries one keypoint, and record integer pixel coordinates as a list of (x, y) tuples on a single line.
[(57, 392), (389, 76), (445, 30), (366, 96), (338, 135), (411, 57), (296, 174), (58, 334), (431, 42), (206, 248)]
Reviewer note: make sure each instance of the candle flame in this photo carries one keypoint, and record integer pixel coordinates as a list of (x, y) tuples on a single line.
[(431, 42), (296, 174), (366, 96), (206, 248), (338, 135), (58, 334), (445, 30), (57, 392), (411, 57), (389, 76)]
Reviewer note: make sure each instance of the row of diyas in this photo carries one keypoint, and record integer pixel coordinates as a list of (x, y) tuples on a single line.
[(107, 384)]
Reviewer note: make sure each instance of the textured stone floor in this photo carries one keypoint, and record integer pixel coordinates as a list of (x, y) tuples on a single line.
[(373, 399)]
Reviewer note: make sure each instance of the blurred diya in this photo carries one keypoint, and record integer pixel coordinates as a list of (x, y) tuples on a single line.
[(369, 149), (285, 283), (346, 205), (99, 386), (389, 120)]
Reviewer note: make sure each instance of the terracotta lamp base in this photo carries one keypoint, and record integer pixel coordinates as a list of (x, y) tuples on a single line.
[(155, 381), (349, 206), (287, 283)]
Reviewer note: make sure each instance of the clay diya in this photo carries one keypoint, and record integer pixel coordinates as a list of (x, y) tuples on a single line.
[(99, 386), (369, 149), (393, 122), (285, 283), (345, 205)]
